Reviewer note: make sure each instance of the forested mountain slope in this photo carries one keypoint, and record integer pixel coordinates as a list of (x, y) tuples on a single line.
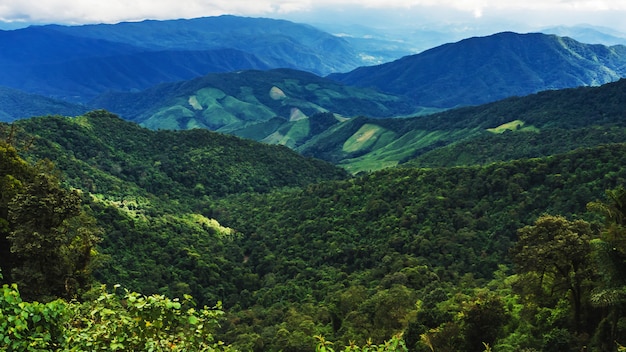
[(102, 153), (347, 258), (15, 104), (536, 125), (76, 63), (248, 102), (484, 69)]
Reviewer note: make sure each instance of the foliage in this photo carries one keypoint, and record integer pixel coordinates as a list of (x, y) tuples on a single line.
[(562, 121), (553, 255), (394, 344), (609, 257), (422, 252), (48, 239), (100, 153), (350, 244), (114, 321)]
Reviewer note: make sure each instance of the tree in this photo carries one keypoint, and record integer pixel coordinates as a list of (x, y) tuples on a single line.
[(14, 173), (483, 320), (609, 256), (47, 237), (614, 212), (554, 253)]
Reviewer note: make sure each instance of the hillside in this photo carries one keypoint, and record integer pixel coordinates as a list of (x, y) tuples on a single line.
[(485, 69), (78, 62), (102, 153), (15, 104), (284, 106), (367, 249), (274, 106), (346, 258), (538, 125), (294, 248)]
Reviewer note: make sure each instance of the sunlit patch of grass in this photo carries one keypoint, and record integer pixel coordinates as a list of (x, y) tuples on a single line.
[(516, 125)]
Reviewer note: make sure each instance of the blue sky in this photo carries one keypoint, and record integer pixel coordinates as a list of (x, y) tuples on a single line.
[(496, 15)]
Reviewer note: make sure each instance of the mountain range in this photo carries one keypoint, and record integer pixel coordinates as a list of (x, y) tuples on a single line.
[(350, 119), (250, 102), (79, 63), (484, 69), (411, 225), (76, 63)]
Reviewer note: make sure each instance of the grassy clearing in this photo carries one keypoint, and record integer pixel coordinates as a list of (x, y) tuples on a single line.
[(516, 125), (363, 138)]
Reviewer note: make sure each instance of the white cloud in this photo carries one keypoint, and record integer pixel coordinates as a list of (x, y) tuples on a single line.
[(110, 11)]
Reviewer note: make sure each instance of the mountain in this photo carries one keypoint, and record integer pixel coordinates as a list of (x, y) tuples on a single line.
[(108, 152), (536, 125), (294, 248), (589, 34), (15, 104), (279, 43), (305, 114), (276, 106), (485, 69), (78, 62)]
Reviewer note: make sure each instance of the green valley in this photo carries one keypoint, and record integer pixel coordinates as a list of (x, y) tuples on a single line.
[(295, 248), (199, 202)]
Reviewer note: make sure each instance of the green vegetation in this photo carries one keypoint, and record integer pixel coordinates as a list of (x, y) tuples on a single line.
[(480, 70), (118, 321), (15, 104), (230, 102), (555, 122), (506, 256)]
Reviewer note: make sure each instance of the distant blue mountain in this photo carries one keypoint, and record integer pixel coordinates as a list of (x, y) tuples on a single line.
[(79, 62), (15, 104), (485, 69), (589, 34)]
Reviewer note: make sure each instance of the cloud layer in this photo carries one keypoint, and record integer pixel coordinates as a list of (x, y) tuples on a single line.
[(535, 12)]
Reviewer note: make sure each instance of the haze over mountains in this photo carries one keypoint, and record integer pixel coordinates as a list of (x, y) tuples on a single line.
[(78, 63), (156, 73)]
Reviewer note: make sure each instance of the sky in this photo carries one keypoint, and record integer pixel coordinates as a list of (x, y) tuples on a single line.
[(492, 15)]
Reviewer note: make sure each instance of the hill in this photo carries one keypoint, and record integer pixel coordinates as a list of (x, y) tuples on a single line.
[(536, 125), (485, 69), (78, 62), (589, 34), (277, 106), (294, 248), (15, 104), (346, 258), (103, 151), (307, 113)]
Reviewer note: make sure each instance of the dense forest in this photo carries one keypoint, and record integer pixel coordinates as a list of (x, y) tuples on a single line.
[(238, 245)]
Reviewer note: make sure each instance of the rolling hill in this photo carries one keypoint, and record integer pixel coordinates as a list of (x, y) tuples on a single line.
[(522, 127), (485, 69), (15, 104), (108, 152), (256, 109), (276, 106)]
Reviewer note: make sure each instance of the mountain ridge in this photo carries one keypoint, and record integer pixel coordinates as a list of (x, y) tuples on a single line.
[(53, 60), (484, 69)]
